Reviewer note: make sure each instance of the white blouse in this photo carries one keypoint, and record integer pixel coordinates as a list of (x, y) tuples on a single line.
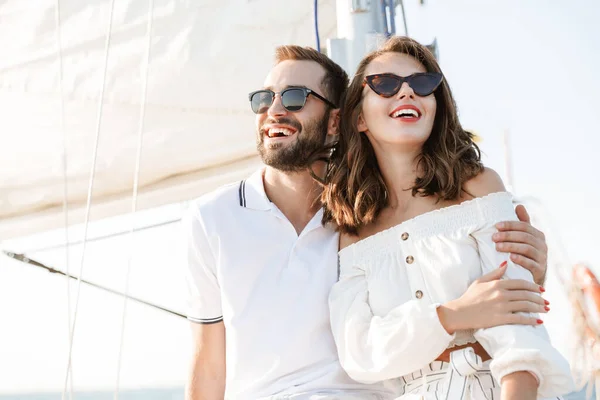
[(383, 309)]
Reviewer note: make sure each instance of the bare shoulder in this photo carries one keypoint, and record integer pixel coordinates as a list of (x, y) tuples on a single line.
[(347, 240), (488, 181)]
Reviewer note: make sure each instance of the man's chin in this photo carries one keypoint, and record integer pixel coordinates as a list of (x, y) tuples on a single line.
[(284, 164)]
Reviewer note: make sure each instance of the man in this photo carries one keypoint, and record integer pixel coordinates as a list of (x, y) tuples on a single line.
[(261, 264)]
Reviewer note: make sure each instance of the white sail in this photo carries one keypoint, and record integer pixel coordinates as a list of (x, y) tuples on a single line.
[(205, 56)]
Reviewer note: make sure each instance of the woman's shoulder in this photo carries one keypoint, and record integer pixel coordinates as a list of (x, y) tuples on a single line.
[(486, 182)]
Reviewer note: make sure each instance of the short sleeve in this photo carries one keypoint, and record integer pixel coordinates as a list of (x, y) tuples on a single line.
[(204, 293)]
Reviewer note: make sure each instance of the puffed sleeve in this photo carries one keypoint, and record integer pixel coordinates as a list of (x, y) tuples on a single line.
[(516, 347), (374, 348), (204, 302)]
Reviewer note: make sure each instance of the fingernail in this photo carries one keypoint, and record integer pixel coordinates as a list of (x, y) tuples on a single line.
[(542, 289), (547, 302), (500, 225), (547, 308), (503, 264), (539, 321), (513, 257), (495, 236)]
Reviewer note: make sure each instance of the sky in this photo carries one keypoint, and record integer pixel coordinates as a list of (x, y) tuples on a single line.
[(525, 68)]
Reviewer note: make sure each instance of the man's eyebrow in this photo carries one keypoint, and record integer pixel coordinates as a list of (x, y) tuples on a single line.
[(287, 87)]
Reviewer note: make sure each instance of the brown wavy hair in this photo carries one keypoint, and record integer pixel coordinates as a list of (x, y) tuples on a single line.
[(355, 192)]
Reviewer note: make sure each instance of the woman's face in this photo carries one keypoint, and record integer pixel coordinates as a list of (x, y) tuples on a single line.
[(405, 118)]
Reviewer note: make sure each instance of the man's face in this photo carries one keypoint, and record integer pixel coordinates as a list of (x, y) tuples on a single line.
[(286, 139)]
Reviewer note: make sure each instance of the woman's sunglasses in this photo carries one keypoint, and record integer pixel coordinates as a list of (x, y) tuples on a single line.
[(387, 85), (292, 98)]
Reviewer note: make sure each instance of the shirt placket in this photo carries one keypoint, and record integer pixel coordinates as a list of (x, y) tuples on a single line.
[(413, 264)]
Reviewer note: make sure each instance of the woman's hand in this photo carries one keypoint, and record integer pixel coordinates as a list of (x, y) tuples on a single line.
[(490, 302)]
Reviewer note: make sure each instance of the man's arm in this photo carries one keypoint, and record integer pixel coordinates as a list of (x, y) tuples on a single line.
[(206, 379)]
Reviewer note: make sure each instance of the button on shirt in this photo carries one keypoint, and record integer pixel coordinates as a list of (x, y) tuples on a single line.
[(250, 269), (384, 307)]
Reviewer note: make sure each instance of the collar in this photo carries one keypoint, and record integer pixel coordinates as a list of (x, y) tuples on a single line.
[(252, 192)]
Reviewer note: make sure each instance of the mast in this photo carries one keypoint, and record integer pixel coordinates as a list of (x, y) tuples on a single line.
[(361, 26), (364, 24)]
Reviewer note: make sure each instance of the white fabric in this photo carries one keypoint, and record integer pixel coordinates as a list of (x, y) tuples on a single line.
[(269, 285), (383, 330), (206, 56), (465, 377)]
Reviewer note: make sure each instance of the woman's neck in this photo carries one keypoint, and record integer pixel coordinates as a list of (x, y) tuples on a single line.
[(400, 171)]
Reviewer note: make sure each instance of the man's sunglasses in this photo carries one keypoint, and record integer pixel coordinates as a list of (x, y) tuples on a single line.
[(292, 98), (387, 85)]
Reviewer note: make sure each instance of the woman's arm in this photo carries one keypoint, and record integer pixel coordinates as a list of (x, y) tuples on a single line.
[(519, 386), (513, 348), (376, 348)]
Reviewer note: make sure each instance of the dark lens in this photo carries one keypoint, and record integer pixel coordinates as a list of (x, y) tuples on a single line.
[(293, 99), (425, 84), (385, 85), (261, 101)]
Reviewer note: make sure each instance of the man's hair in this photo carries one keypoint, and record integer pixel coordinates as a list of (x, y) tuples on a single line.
[(356, 192), (334, 83)]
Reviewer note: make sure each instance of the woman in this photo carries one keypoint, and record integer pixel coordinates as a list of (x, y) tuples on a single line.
[(416, 210)]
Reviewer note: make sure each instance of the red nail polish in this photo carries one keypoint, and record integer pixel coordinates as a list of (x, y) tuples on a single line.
[(542, 289), (547, 302), (503, 264), (539, 321), (547, 308)]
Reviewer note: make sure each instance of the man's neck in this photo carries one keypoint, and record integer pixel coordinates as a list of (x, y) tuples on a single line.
[(294, 193)]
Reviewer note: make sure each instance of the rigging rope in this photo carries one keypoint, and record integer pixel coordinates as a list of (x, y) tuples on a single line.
[(135, 189), (101, 237), (64, 175), (316, 18), (89, 195)]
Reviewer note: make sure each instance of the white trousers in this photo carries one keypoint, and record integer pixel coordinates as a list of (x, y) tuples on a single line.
[(465, 377)]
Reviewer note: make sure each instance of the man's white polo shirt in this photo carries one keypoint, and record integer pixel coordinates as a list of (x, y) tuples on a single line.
[(250, 269)]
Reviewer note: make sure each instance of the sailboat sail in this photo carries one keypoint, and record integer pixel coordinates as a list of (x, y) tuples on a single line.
[(205, 56)]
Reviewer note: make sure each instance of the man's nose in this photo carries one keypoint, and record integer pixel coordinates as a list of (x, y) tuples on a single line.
[(277, 108)]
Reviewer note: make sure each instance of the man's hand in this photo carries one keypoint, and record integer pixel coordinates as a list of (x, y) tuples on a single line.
[(526, 244), (490, 301)]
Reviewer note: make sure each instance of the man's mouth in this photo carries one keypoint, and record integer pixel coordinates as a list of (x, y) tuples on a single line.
[(273, 131), (279, 132)]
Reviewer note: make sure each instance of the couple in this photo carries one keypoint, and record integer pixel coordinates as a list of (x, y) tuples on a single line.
[(385, 279)]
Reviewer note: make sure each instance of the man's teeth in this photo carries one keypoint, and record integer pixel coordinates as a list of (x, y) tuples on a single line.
[(407, 112), (274, 132)]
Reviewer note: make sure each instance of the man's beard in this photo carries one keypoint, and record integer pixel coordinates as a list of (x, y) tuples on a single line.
[(296, 156)]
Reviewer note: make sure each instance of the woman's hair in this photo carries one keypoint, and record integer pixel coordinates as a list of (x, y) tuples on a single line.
[(355, 191)]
